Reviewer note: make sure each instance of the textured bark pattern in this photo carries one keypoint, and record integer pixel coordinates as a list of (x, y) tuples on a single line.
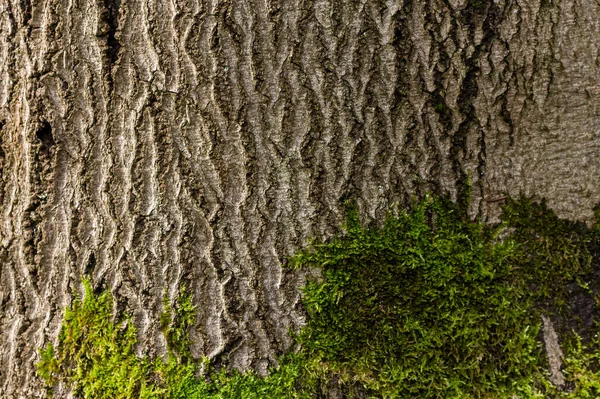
[(151, 142)]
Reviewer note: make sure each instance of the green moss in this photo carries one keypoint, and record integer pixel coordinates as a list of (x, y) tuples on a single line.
[(553, 251), (175, 323), (95, 355), (95, 358), (582, 370), (426, 306), (430, 305)]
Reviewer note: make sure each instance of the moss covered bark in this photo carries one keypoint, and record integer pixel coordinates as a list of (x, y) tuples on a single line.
[(426, 304)]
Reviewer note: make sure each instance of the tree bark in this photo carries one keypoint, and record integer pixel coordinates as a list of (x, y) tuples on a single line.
[(148, 143)]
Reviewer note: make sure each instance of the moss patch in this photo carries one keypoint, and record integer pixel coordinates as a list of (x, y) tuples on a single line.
[(95, 354), (429, 305)]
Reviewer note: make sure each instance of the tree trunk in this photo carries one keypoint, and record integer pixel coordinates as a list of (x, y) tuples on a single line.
[(148, 143)]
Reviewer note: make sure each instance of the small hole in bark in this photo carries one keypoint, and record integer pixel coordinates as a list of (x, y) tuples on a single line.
[(44, 135), (91, 265)]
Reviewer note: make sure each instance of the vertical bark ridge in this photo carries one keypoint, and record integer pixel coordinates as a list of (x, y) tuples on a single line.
[(20, 206)]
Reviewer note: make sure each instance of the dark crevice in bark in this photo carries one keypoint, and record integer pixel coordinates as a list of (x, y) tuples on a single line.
[(90, 265), (110, 17), (474, 11), (403, 45), (433, 184), (44, 135), (481, 164), (490, 30), (490, 25), (112, 7), (227, 20), (26, 10), (214, 40), (229, 349), (438, 97), (100, 285), (508, 120), (310, 146), (76, 244), (226, 40), (469, 90), (42, 155), (459, 141), (437, 101)]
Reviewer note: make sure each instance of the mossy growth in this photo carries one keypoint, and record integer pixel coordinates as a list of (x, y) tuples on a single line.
[(95, 355), (174, 323), (582, 370), (95, 358), (553, 252), (429, 305), (425, 306)]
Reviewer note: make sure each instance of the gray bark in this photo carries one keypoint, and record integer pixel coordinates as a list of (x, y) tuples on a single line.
[(154, 142)]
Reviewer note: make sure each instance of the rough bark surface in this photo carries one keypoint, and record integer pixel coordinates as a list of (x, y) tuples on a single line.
[(154, 142)]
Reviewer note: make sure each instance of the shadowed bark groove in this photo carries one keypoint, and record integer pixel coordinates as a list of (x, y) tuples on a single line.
[(151, 143)]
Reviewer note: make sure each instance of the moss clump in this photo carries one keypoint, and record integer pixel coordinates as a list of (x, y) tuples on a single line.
[(553, 252), (95, 355), (175, 322), (426, 306), (430, 305), (582, 370)]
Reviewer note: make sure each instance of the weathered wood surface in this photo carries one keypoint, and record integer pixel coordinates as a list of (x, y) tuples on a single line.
[(150, 142)]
